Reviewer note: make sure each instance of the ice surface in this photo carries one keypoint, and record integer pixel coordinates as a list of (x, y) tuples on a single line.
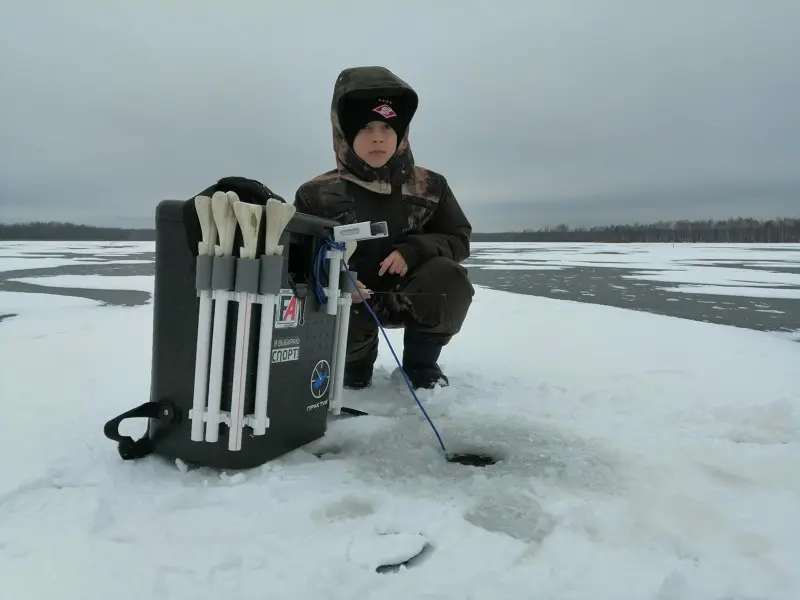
[(725, 290), (14, 263), (41, 305), (58, 248), (100, 282), (691, 264), (643, 457), (41, 255)]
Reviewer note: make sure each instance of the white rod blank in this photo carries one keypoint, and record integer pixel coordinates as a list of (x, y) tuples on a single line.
[(226, 226), (340, 349), (249, 219), (278, 216), (208, 231)]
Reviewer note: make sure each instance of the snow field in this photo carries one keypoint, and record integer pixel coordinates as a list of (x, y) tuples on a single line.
[(641, 457)]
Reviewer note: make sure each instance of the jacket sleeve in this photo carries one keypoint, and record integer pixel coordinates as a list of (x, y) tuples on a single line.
[(447, 233), (301, 201)]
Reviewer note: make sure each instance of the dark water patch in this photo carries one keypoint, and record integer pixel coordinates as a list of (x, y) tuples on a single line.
[(111, 297), (608, 286)]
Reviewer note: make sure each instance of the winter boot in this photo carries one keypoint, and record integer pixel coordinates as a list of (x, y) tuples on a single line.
[(419, 363), (357, 375), (362, 351)]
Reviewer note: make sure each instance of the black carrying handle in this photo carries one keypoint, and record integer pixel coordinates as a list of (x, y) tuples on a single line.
[(130, 449)]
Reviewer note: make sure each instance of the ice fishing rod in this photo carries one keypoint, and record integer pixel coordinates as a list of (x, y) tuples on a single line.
[(476, 460)]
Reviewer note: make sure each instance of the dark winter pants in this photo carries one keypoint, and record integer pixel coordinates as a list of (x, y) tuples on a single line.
[(430, 302)]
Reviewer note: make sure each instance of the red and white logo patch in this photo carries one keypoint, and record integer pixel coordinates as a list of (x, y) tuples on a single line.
[(288, 312), (386, 111)]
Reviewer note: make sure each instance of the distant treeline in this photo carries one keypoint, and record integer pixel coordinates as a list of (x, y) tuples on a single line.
[(69, 232), (738, 230)]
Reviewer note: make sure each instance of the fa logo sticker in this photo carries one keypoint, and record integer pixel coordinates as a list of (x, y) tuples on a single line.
[(288, 313)]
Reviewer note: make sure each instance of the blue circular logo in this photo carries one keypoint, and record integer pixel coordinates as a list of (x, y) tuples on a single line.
[(320, 378)]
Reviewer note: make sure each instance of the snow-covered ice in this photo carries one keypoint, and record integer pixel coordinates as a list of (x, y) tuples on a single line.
[(642, 457), (107, 249), (144, 283), (46, 255), (755, 270)]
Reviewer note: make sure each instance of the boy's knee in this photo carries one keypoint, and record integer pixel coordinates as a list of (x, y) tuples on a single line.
[(445, 295), (443, 264), (446, 275)]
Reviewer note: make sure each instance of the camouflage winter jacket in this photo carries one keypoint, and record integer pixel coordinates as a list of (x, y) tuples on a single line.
[(434, 224)]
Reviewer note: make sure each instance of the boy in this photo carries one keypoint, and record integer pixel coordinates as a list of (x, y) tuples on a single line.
[(415, 272)]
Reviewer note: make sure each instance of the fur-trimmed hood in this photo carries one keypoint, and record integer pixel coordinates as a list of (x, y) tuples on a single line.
[(364, 82)]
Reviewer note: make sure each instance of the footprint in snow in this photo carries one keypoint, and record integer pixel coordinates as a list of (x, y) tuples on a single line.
[(389, 552), (349, 507), (517, 514)]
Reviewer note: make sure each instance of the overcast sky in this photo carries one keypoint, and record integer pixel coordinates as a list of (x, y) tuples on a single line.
[(538, 112)]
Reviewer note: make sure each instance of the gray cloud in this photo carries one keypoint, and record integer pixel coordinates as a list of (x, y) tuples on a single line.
[(538, 113)]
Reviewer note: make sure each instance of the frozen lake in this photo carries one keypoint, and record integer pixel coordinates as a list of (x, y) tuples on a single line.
[(752, 286), (639, 455)]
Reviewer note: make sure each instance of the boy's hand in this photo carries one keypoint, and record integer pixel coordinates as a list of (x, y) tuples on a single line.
[(394, 264), (356, 296)]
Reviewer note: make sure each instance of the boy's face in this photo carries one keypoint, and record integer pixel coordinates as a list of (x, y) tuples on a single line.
[(375, 144)]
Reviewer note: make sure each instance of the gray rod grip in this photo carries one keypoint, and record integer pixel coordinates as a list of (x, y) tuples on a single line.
[(247, 270), (345, 284), (223, 273), (271, 274), (202, 276)]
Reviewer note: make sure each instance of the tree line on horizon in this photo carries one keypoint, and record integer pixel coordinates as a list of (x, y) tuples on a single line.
[(739, 230), (733, 230)]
